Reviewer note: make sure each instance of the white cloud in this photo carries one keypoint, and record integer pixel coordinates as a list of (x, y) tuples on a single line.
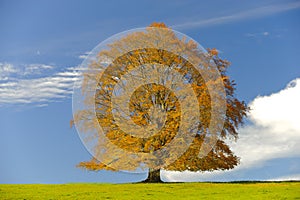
[(36, 69), (6, 70), (275, 128), (9, 71), (84, 55), (247, 14), (266, 33), (273, 133), (69, 73), (23, 90), (103, 59), (42, 105), (256, 35), (4, 78), (292, 177)]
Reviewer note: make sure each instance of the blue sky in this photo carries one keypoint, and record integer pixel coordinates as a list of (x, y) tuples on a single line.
[(43, 42)]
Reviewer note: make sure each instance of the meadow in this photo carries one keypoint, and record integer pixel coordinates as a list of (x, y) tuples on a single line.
[(244, 190)]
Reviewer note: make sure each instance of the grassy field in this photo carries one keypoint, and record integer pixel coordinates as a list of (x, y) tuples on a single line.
[(283, 190)]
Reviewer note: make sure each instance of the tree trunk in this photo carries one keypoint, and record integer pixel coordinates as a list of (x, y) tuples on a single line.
[(153, 176)]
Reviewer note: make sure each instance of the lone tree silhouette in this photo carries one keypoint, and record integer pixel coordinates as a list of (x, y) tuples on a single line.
[(153, 99)]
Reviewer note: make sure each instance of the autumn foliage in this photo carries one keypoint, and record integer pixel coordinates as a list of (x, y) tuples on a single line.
[(149, 96)]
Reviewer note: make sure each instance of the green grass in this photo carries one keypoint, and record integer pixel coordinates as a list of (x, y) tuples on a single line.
[(247, 190)]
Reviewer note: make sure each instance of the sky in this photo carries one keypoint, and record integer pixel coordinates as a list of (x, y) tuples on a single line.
[(44, 42)]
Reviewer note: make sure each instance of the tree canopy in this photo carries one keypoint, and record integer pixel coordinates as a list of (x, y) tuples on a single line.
[(149, 116)]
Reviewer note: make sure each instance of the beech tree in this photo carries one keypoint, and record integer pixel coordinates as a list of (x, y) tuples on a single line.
[(157, 110)]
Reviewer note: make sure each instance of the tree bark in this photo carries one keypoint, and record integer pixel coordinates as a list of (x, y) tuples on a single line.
[(153, 176)]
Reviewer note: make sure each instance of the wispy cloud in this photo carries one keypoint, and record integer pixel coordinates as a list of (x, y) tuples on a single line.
[(35, 69), (6, 70), (243, 15), (84, 55), (260, 34), (23, 90), (273, 133), (10, 71)]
